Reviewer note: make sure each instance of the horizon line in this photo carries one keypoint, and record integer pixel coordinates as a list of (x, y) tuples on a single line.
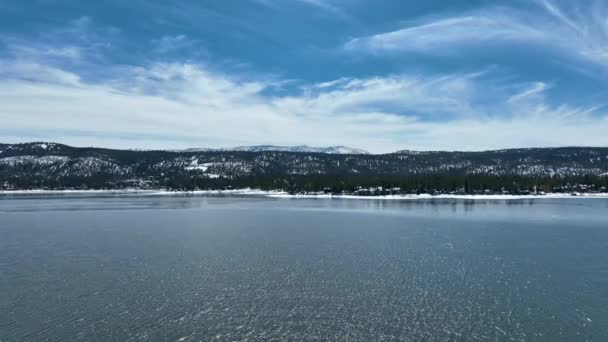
[(230, 149)]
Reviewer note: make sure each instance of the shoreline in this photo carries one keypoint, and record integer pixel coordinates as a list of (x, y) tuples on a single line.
[(281, 194), (446, 196)]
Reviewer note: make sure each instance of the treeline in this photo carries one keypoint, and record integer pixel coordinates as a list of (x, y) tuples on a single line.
[(328, 183)]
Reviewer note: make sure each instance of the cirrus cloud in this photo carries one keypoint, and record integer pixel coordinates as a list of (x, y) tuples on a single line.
[(182, 105), (574, 28)]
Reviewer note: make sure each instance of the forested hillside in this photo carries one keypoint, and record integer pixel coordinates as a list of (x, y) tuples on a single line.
[(56, 166)]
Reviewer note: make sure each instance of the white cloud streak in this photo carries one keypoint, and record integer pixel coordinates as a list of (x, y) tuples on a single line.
[(171, 43), (574, 28), (168, 105), (75, 43), (534, 92), (174, 105), (324, 5), (470, 29)]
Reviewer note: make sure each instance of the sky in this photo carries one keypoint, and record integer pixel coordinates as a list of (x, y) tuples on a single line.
[(382, 75)]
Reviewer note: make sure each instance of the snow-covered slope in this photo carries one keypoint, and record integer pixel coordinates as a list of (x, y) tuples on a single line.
[(54, 164), (301, 148), (275, 148)]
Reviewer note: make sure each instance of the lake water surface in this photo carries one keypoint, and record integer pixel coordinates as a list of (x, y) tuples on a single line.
[(188, 268)]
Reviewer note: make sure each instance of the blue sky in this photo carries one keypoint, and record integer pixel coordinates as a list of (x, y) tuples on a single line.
[(381, 75)]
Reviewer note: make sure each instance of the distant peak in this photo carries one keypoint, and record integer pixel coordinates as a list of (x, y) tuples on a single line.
[(339, 149)]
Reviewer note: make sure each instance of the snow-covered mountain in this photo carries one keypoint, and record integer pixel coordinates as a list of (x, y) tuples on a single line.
[(51, 165), (275, 148)]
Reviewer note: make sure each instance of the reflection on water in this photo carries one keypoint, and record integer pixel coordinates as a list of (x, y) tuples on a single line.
[(70, 202), (193, 268)]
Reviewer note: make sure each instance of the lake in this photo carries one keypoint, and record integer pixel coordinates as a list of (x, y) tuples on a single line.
[(194, 268)]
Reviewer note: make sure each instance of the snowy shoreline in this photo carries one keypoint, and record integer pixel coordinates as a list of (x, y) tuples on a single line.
[(445, 196), (143, 192), (285, 195)]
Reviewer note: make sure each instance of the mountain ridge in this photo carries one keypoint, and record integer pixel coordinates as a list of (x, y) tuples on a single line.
[(51, 165), (337, 149), (296, 148)]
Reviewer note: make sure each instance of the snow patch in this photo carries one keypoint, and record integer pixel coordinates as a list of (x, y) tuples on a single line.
[(195, 166), (283, 194), (20, 160)]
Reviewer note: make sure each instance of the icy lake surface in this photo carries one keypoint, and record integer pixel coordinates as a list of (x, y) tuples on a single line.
[(188, 268)]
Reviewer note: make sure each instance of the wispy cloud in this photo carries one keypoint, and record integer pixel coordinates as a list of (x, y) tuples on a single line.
[(32, 72), (535, 92), (75, 42), (574, 28), (326, 6), (162, 104), (200, 106), (469, 29), (171, 43)]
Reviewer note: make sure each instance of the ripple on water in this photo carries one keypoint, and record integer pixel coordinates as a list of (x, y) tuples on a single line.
[(226, 274)]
